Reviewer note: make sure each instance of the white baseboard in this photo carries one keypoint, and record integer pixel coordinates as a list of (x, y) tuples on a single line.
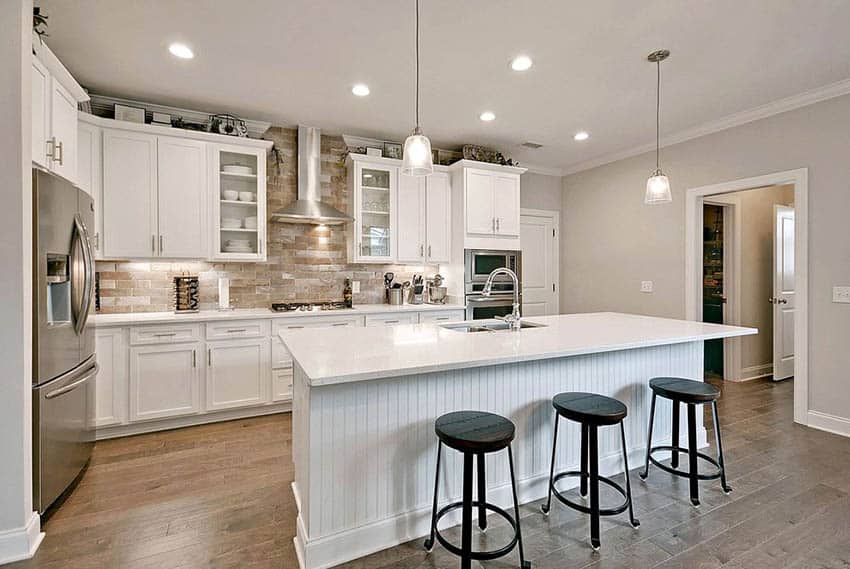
[(829, 423), (21, 543), (332, 550), (190, 420), (755, 372)]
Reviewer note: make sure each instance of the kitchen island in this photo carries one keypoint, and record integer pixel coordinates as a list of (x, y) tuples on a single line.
[(365, 402)]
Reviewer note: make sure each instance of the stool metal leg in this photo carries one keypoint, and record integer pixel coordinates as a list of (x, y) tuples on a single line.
[(583, 486), (429, 543), (693, 469), (466, 517), (634, 521), (645, 472), (523, 563), (482, 493), (545, 507), (594, 486), (726, 487), (674, 456)]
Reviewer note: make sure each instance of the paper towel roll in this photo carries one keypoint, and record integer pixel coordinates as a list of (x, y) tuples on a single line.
[(224, 293)]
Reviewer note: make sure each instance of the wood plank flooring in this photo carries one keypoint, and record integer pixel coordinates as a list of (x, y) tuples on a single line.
[(217, 496)]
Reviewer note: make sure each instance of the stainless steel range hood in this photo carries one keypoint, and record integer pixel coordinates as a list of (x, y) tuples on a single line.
[(309, 208)]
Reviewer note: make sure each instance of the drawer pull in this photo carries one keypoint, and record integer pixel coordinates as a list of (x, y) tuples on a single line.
[(209, 357), (294, 327), (165, 334), (341, 324), (194, 358), (390, 321), (235, 330), (442, 318)]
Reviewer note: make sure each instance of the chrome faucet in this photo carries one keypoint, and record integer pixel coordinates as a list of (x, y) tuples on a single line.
[(513, 319)]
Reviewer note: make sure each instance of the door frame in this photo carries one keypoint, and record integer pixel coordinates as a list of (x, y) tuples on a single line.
[(555, 217), (694, 198)]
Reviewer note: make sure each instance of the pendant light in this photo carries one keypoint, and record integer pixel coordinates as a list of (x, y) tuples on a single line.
[(658, 185), (417, 159)]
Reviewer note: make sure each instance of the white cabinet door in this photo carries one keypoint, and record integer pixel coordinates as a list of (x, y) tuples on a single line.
[(181, 198), (392, 319), (238, 373), (111, 383), (89, 178), (129, 195), (164, 381), (438, 216), (442, 316), (63, 129), (40, 113), (506, 204), (282, 385), (479, 203), (411, 216)]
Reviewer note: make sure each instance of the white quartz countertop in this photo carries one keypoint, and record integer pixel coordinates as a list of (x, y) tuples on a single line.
[(101, 320), (332, 356)]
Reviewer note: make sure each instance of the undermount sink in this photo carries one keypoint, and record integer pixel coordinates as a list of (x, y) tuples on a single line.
[(488, 326)]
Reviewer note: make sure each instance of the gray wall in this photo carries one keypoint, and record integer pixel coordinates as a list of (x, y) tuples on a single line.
[(611, 240), (540, 191)]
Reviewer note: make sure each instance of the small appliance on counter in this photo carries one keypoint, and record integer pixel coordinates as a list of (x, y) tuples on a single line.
[(187, 295), (436, 291)]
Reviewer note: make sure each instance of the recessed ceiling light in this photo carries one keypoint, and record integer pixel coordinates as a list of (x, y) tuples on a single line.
[(487, 116), (360, 90), (581, 135), (181, 50), (521, 63)]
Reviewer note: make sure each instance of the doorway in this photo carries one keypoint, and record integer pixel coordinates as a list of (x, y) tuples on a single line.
[(714, 295), (539, 233), (779, 268)]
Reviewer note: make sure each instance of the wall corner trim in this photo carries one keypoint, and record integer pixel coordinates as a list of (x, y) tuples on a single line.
[(21, 543), (829, 423)]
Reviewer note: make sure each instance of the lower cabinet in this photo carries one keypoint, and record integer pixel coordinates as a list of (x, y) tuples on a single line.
[(164, 381), (238, 373), (111, 382), (282, 384), (442, 316), (392, 319)]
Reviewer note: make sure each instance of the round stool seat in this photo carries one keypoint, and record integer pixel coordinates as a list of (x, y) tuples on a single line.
[(684, 390), (589, 408), (474, 431)]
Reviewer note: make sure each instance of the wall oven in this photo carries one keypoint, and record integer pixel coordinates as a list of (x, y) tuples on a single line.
[(478, 266)]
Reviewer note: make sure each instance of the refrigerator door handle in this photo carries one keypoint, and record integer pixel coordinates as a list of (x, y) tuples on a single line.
[(72, 386), (82, 234)]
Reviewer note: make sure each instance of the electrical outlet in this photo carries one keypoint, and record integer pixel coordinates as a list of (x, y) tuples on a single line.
[(646, 286), (841, 294), (355, 287)]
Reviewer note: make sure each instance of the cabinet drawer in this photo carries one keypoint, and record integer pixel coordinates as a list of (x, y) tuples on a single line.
[(282, 385), (315, 322), (391, 319), (237, 329), (280, 355), (442, 316), (168, 334)]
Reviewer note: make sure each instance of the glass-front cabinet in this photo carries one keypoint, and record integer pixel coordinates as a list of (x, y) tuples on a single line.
[(373, 186), (239, 198)]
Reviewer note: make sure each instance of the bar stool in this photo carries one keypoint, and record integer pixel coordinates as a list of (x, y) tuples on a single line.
[(691, 393), (475, 433), (591, 411)]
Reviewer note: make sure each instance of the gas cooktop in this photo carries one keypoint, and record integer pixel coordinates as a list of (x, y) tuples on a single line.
[(316, 306)]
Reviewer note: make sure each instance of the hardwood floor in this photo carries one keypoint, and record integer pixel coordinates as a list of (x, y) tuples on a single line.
[(217, 496)]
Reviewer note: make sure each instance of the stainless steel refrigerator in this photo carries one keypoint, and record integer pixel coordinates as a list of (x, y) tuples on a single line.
[(64, 362)]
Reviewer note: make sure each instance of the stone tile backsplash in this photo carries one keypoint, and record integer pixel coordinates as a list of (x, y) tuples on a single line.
[(304, 262)]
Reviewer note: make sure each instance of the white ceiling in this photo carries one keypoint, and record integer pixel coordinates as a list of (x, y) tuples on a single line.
[(294, 61)]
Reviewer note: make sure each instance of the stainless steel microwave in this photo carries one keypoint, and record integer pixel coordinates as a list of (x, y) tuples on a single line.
[(480, 263)]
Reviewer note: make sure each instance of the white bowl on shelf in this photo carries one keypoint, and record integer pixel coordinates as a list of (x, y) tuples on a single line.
[(231, 223), (247, 196), (230, 195), (250, 222), (237, 169), (238, 243)]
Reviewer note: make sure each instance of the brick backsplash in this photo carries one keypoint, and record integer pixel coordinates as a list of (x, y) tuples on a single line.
[(304, 262)]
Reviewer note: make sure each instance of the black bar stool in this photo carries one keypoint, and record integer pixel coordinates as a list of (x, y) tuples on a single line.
[(475, 433), (591, 411), (691, 393)]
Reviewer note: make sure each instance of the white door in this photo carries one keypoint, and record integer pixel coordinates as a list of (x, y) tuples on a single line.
[(238, 373), (164, 381), (479, 203), (181, 192), (40, 113), (506, 205), (411, 215), (438, 218), (783, 292), (63, 129), (539, 264), (129, 195), (111, 383)]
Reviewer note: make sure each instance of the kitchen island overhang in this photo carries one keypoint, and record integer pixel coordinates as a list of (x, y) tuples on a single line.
[(365, 401)]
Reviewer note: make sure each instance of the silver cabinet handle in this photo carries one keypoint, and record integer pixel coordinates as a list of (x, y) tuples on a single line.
[(51, 148), (340, 324), (235, 330), (493, 223), (421, 250), (165, 334), (97, 241), (390, 321), (160, 245), (429, 251), (261, 246), (209, 357), (294, 327), (498, 224), (153, 244), (61, 153), (194, 358)]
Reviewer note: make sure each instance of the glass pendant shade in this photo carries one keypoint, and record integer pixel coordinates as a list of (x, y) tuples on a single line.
[(657, 189), (417, 159)]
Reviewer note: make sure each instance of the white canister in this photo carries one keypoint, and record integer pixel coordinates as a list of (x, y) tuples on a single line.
[(224, 293)]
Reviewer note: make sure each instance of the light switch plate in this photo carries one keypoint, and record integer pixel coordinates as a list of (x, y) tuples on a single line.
[(355, 287), (646, 286), (841, 294)]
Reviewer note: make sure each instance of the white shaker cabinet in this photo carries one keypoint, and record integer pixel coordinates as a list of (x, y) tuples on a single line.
[(164, 380), (40, 110), (438, 218), (506, 209), (238, 373), (63, 131), (111, 383), (129, 206), (424, 218), (373, 184), (181, 198), (90, 177), (411, 218), (479, 203)]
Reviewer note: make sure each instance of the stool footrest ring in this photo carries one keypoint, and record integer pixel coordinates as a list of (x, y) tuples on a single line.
[(712, 476), (585, 509), (478, 555)]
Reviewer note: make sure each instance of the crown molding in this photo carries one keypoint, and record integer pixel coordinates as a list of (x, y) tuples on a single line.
[(541, 169), (791, 103)]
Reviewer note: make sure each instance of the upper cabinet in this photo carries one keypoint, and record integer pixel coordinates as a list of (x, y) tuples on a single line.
[(181, 168), (374, 193), (90, 177), (424, 218), (55, 95)]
